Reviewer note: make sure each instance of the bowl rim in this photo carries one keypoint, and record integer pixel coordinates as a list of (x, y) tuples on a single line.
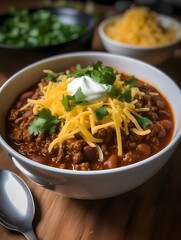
[(14, 153), (163, 17), (56, 12)]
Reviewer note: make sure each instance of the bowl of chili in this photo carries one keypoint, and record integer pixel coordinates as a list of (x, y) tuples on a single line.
[(90, 125)]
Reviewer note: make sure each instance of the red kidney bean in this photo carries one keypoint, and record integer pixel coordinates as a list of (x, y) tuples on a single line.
[(112, 161), (90, 153), (160, 104), (72, 69), (26, 95), (27, 114), (19, 104), (161, 130), (38, 158), (109, 136), (167, 124), (164, 114), (144, 148)]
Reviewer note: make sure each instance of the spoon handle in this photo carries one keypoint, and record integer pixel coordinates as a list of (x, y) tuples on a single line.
[(30, 235)]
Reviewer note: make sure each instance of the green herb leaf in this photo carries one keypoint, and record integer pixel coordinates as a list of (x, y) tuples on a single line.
[(79, 72), (51, 76), (143, 121), (108, 77), (125, 95), (101, 112), (36, 126), (113, 91), (97, 66), (66, 103), (132, 81), (24, 27), (45, 122), (96, 75), (79, 96), (104, 75), (76, 99), (77, 67)]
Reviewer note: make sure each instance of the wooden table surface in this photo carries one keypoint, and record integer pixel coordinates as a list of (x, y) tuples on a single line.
[(150, 212)]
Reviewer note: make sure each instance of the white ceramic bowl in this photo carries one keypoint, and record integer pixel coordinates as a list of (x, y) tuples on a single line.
[(91, 184), (153, 55)]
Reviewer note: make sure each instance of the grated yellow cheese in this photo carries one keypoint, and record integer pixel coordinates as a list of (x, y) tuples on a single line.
[(136, 92), (82, 118), (117, 121), (140, 26)]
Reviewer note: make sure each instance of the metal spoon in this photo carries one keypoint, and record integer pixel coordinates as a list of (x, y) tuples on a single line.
[(17, 207)]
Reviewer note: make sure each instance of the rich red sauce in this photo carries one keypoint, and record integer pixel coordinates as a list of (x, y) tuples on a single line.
[(76, 154)]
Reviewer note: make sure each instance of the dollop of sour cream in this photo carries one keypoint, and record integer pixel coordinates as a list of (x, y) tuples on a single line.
[(92, 90)]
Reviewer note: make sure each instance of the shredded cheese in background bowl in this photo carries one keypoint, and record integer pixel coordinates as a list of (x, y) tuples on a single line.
[(140, 26), (87, 117)]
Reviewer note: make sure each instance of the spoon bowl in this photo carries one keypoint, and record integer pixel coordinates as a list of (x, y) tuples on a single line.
[(17, 207)]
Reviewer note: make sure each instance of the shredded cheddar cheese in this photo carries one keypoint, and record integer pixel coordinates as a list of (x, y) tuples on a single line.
[(140, 26), (82, 120)]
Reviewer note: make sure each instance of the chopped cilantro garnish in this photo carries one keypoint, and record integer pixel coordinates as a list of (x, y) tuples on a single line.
[(125, 95), (97, 65), (96, 75), (76, 99), (131, 81), (143, 121), (66, 103), (51, 76), (108, 76), (79, 72), (104, 75), (37, 28), (101, 112), (77, 67), (45, 122), (113, 91), (79, 96)]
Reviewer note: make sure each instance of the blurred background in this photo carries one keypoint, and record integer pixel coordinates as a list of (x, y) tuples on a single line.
[(170, 7), (98, 9)]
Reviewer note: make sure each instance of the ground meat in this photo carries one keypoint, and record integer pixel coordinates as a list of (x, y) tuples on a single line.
[(83, 166), (130, 157), (75, 153), (107, 135)]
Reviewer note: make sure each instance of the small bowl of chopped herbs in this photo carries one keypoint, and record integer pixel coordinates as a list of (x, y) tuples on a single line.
[(33, 34)]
